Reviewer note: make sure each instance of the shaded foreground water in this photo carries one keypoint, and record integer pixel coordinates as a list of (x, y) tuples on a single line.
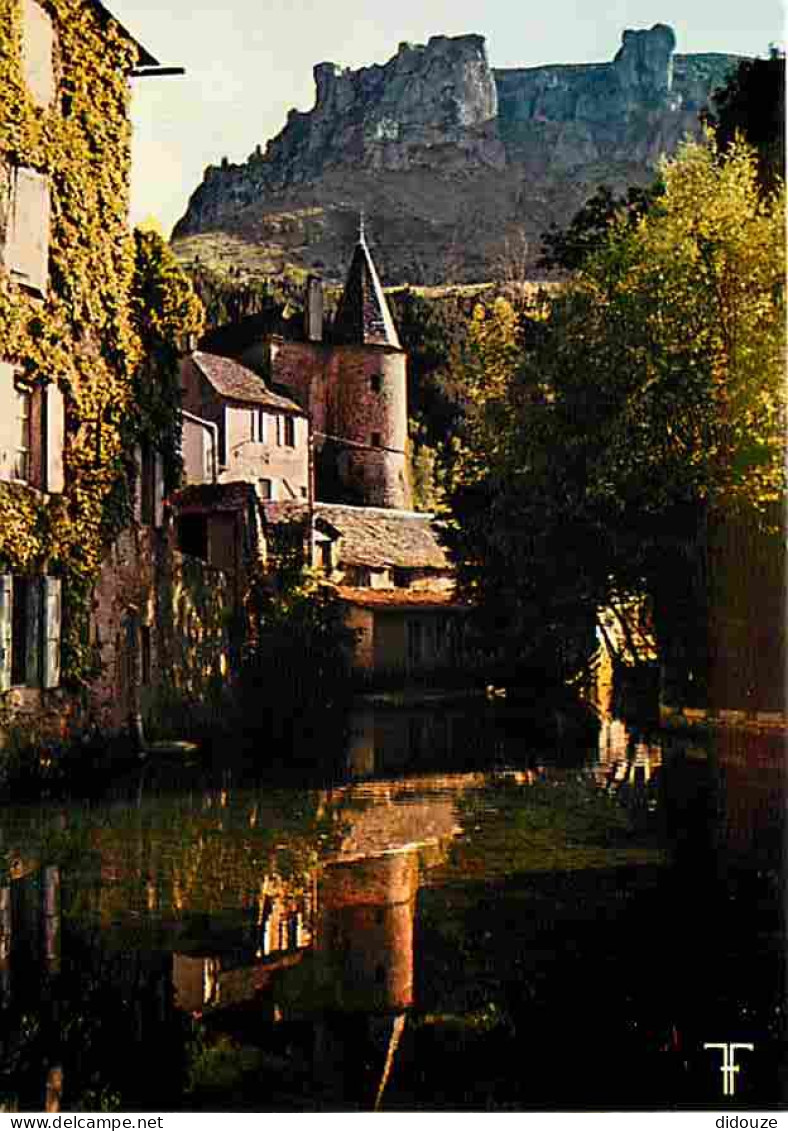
[(471, 913)]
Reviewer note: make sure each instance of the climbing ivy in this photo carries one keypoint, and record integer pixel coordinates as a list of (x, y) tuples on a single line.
[(83, 336), (166, 313)]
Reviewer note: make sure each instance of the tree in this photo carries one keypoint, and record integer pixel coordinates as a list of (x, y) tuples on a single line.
[(567, 248), (752, 103), (654, 399), (166, 314), (297, 662)]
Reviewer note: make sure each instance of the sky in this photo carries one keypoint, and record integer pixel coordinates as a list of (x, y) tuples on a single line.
[(247, 63)]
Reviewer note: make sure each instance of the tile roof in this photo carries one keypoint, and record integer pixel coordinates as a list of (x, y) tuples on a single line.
[(372, 536), (363, 316), (237, 383), (399, 598)]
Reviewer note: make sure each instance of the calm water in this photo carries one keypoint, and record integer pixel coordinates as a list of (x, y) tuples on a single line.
[(473, 912)]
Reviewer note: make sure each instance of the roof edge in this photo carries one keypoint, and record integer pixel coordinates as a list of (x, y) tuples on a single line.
[(145, 59)]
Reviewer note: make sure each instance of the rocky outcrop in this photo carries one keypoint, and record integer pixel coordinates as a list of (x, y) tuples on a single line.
[(449, 158)]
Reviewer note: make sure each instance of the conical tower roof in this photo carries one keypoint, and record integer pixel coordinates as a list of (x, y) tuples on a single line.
[(363, 316)]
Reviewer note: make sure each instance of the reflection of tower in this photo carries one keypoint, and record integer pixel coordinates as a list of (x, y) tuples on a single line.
[(365, 931), (364, 958), (367, 398)]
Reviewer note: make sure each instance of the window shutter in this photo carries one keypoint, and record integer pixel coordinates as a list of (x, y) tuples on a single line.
[(27, 251), (35, 597), (8, 423), (52, 588), (6, 628), (55, 417), (37, 43)]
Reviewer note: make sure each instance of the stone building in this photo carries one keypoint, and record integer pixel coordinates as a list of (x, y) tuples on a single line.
[(127, 604), (39, 395), (236, 429), (353, 386), (339, 493), (395, 578)]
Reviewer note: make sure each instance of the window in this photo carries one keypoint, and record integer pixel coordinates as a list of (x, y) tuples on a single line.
[(151, 486), (376, 382), (326, 551), (290, 431), (22, 466), (400, 577), (415, 633), (376, 438), (193, 535), (27, 239), (37, 43), (30, 617), (257, 426), (208, 456), (23, 613), (265, 488), (145, 654), (32, 431)]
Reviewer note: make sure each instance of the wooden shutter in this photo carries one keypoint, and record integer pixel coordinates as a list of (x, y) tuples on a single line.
[(27, 250), (34, 597), (37, 50), (8, 422), (54, 439), (52, 590), (6, 628)]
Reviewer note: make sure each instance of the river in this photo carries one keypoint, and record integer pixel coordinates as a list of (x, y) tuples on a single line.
[(469, 911)]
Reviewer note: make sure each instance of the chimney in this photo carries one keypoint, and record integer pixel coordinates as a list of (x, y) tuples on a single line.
[(313, 312)]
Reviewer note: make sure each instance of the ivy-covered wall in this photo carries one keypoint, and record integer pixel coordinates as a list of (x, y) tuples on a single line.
[(80, 336)]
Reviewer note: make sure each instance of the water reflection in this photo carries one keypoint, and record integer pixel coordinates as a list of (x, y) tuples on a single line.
[(399, 938)]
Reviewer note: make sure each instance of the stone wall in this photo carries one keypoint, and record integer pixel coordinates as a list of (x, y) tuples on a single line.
[(161, 622), (285, 466), (353, 393)]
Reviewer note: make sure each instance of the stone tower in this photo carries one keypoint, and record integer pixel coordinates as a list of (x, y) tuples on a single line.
[(367, 407)]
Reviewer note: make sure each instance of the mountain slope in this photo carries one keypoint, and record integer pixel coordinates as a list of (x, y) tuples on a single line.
[(452, 162)]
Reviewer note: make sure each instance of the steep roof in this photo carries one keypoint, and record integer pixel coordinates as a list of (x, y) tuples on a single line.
[(237, 383), (363, 316), (372, 536)]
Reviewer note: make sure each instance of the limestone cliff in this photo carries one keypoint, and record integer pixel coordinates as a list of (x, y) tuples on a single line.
[(450, 159)]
